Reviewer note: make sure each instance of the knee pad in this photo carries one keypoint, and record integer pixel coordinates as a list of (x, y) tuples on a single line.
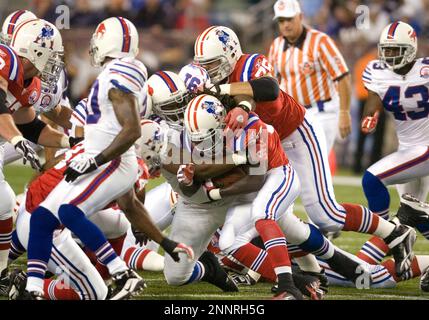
[(175, 279)]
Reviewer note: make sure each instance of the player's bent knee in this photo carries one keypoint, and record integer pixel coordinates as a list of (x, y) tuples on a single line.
[(43, 219), (7, 202), (371, 183), (68, 214)]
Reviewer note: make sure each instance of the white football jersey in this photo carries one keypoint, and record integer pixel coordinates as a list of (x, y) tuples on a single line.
[(406, 97), (102, 126)]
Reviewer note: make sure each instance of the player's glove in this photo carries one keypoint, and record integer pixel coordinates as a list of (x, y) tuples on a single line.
[(369, 123), (185, 174), (79, 166), (23, 147), (173, 249), (141, 237)]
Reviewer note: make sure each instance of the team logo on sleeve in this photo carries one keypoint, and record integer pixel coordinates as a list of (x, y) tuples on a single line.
[(32, 98), (424, 72)]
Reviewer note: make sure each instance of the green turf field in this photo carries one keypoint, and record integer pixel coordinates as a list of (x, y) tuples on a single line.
[(17, 176)]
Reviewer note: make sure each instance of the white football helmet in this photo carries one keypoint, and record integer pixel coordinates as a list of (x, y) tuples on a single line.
[(115, 37), (399, 36), (12, 21), (169, 97), (217, 49), (196, 78), (40, 42), (152, 143), (204, 121)]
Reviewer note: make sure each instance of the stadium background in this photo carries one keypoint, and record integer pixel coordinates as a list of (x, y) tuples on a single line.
[(167, 31)]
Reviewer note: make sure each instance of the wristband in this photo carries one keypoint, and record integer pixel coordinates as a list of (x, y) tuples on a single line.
[(225, 89), (65, 143), (214, 194), (168, 245), (246, 105), (239, 159), (100, 159), (16, 139)]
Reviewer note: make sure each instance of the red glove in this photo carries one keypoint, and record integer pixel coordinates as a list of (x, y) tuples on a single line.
[(236, 119), (369, 123), (185, 174)]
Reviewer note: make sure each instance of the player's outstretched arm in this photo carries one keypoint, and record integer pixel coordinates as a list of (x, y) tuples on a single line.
[(247, 184), (140, 219)]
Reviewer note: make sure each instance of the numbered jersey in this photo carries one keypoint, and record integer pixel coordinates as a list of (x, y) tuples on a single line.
[(284, 113), (406, 97), (126, 74), (12, 71)]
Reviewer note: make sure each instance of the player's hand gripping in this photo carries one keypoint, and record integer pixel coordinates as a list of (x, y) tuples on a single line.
[(369, 123), (23, 147), (80, 165), (185, 174), (173, 249), (236, 119)]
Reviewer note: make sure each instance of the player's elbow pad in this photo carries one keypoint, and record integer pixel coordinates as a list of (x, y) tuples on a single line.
[(265, 89), (3, 108), (32, 130)]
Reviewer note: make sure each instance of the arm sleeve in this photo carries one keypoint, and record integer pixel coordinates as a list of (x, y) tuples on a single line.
[(368, 77), (260, 67), (80, 113), (331, 58)]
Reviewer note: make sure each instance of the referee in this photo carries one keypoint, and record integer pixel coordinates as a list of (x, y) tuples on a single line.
[(312, 70)]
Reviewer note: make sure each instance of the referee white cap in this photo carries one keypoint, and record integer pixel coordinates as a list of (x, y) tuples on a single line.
[(286, 9)]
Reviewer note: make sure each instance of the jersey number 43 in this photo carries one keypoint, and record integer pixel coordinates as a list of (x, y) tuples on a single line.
[(391, 102)]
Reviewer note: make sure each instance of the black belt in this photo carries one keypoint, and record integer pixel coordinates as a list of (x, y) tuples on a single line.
[(320, 104)]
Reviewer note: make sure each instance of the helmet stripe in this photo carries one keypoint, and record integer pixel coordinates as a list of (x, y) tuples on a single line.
[(126, 42), (203, 36), (192, 111), (19, 28), (13, 20), (392, 29), (168, 81)]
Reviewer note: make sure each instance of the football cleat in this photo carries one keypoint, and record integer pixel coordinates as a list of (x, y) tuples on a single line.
[(214, 273), (412, 211), (18, 279), (401, 242), (241, 280), (289, 294), (4, 283), (127, 284)]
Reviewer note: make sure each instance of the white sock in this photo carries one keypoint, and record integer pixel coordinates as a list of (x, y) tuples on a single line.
[(116, 265), (34, 284), (308, 263)]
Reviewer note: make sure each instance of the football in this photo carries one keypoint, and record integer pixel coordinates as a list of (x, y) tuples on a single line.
[(228, 178)]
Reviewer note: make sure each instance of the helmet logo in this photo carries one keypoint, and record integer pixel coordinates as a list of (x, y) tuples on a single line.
[(45, 34), (424, 72), (150, 90), (210, 107), (100, 30), (225, 39)]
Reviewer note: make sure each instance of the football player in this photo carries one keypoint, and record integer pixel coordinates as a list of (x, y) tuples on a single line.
[(218, 50)]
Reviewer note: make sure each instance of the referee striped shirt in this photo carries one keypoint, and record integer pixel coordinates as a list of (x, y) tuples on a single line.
[(308, 68)]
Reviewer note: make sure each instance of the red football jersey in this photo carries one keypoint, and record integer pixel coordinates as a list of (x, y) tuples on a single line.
[(284, 113), (11, 69), (265, 138)]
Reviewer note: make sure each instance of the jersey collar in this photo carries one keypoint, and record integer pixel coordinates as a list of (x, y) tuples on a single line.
[(298, 43)]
